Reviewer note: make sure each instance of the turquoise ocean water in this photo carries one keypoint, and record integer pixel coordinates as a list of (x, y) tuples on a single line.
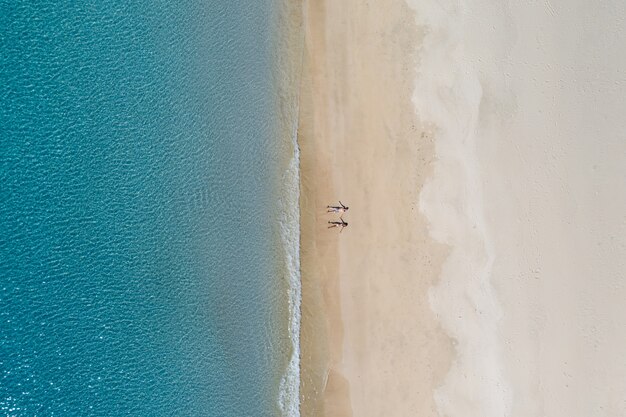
[(148, 248)]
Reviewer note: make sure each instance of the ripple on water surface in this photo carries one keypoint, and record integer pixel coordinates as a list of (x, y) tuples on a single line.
[(138, 273)]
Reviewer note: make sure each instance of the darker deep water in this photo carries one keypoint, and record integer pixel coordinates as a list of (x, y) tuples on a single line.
[(137, 270)]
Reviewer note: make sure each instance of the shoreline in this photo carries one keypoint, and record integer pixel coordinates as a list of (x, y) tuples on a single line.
[(370, 343), (286, 55)]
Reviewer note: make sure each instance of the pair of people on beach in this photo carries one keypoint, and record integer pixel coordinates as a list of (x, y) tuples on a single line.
[(341, 208)]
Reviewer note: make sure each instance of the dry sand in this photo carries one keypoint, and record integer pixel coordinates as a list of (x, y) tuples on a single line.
[(519, 166), (370, 344), (529, 192)]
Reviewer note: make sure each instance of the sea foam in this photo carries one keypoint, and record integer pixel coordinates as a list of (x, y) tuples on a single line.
[(289, 390)]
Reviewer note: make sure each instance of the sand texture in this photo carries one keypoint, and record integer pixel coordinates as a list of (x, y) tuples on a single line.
[(481, 148), (371, 345), (529, 193)]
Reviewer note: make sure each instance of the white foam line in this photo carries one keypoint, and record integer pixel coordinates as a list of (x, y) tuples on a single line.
[(289, 390)]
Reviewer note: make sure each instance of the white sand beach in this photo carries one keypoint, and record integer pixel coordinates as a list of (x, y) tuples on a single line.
[(370, 343), (529, 191), (481, 147)]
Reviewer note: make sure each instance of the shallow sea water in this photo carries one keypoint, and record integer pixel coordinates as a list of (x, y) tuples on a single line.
[(141, 266)]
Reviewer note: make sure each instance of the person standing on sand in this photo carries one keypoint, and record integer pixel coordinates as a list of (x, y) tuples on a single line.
[(342, 223), (341, 208)]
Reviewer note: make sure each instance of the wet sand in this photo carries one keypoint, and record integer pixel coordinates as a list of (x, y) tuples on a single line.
[(370, 344)]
